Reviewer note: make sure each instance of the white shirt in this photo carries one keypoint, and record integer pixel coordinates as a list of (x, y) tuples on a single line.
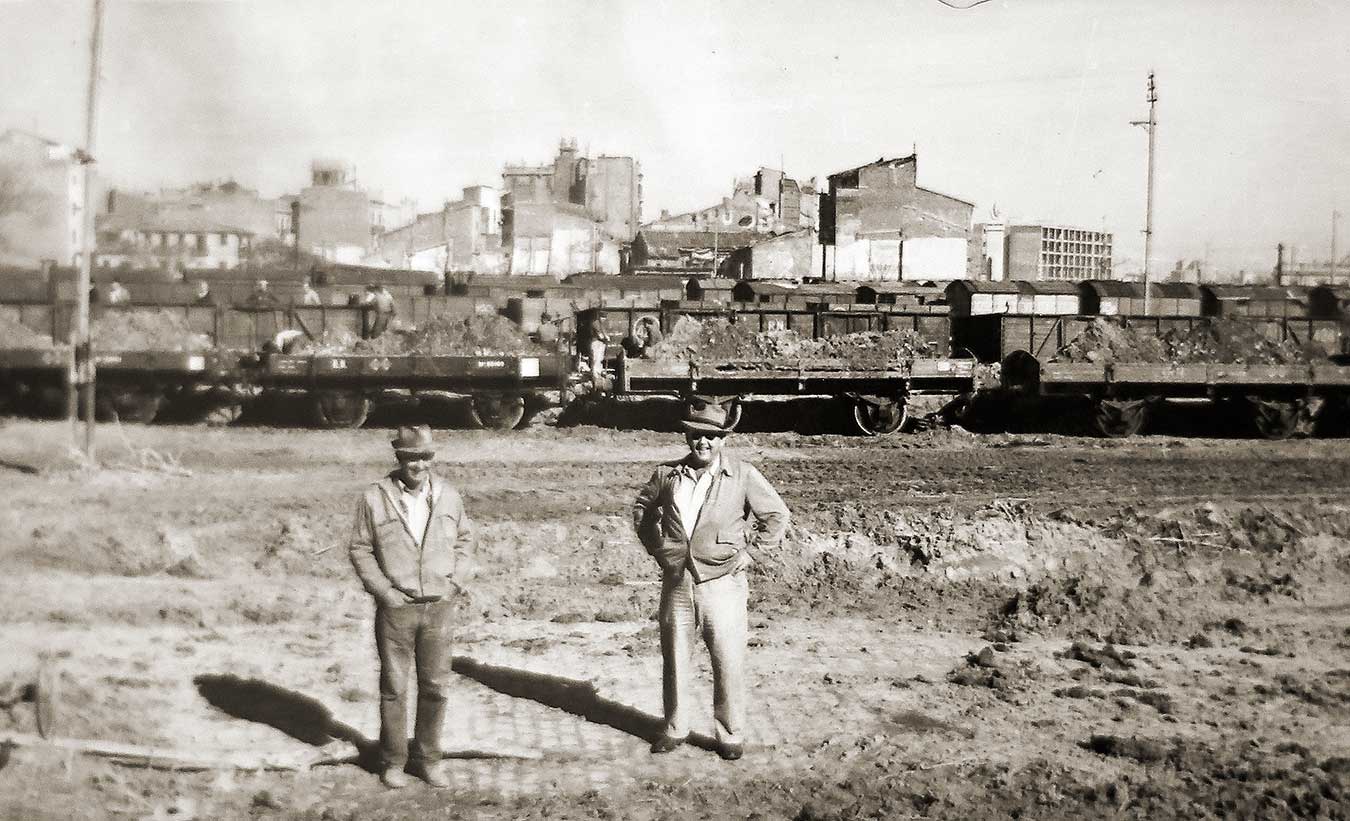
[(691, 493), (416, 508)]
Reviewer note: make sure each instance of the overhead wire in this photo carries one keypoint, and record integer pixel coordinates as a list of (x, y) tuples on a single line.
[(949, 4)]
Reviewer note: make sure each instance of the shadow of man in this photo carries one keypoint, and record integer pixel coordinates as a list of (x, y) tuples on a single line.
[(572, 696), (297, 715)]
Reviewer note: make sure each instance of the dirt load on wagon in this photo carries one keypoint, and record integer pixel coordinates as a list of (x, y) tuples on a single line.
[(722, 340), (146, 331), (439, 336), (1221, 341), (14, 334)]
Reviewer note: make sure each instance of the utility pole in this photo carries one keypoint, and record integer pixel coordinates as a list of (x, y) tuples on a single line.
[(82, 366), (1151, 125)]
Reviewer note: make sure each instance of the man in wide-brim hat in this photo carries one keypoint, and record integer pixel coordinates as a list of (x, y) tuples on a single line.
[(703, 517), (409, 547)]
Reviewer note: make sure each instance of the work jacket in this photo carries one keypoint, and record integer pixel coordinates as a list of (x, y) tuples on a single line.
[(739, 493), (386, 556)]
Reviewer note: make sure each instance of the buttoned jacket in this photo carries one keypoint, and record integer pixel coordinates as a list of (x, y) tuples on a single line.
[(741, 512), (388, 558)]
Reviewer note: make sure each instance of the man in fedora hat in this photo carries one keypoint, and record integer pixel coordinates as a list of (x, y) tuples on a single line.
[(408, 547), (703, 517)]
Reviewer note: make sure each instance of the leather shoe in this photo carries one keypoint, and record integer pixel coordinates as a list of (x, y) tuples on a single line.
[(665, 744), (394, 779), (433, 775), (731, 752)]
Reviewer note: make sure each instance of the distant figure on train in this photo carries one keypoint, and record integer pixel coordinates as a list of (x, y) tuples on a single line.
[(202, 294), (548, 329), (310, 296), (262, 296), (598, 340), (379, 305), (117, 294)]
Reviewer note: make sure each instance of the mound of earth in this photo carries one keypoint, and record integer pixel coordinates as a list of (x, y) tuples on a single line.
[(439, 336), (721, 339), (1219, 341), (1136, 577), (146, 331)]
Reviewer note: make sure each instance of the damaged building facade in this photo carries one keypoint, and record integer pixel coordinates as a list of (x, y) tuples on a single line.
[(572, 215), (769, 202), (464, 236), (878, 224)]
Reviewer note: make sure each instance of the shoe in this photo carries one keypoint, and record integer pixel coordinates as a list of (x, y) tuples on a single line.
[(394, 779), (665, 744), (433, 775), (731, 752)]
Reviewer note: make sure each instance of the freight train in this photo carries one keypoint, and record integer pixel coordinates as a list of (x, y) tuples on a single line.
[(1018, 326)]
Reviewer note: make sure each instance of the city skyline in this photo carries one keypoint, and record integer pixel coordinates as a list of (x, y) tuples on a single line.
[(1020, 104)]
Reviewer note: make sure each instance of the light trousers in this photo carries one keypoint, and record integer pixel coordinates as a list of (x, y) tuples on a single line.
[(716, 611)]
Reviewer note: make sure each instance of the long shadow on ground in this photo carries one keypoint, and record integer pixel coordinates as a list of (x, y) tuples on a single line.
[(572, 696), (297, 715)]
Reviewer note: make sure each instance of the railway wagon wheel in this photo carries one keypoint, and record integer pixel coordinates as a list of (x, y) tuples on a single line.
[(128, 404), (879, 417), (339, 409), (1117, 419), (498, 411), (1276, 419)]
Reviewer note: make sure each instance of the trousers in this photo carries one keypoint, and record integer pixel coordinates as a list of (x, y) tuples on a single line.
[(404, 635), (716, 611)]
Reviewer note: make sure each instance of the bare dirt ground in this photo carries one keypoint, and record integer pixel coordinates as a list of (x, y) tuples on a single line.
[(957, 627)]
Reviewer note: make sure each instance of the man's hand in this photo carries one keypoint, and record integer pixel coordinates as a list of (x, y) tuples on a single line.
[(395, 598), (743, 562)]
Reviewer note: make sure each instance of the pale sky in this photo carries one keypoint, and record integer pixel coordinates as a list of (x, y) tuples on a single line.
[(1021, 103)]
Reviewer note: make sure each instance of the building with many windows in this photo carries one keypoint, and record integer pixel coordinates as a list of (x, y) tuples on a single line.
[(1041, 252)]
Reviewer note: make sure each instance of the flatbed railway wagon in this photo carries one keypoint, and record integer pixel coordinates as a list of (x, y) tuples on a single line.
[(1279, 400), (341, 388), (132, 386), (878, 397)]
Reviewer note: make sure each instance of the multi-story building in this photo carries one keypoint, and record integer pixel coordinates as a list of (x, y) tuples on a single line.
[(878, 223), (175, 241), (333, 215), (41, 200), (572, 215), (1040, 252)]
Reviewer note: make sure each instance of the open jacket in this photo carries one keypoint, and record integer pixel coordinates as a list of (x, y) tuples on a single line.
[(739, 493), (388, 559)]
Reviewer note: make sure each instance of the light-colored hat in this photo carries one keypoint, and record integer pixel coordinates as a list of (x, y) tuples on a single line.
[(414, 439), (711, 414)]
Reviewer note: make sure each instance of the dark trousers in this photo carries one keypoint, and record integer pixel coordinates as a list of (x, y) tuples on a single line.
[(421, 633)]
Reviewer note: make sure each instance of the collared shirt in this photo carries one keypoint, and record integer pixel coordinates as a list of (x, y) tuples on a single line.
[(691, 491), (416, 507)]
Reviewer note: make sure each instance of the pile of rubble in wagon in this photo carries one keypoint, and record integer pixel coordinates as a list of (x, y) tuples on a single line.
[(1219, 341), (117, 331), (14, 334), (723, 340), (438, 336), (146, 331)]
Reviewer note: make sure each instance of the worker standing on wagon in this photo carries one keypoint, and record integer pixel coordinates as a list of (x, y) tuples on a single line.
[(703, 518), (379, 305), (118, 294), (599, 341), (408, 547)]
